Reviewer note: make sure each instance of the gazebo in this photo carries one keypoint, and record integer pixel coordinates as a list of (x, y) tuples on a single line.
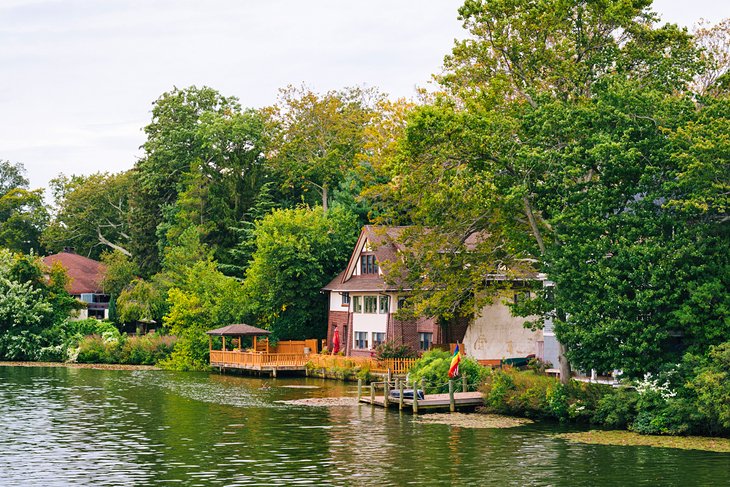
[(240, 331)]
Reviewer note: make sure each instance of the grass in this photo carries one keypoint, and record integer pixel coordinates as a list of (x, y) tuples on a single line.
[(629, 438)]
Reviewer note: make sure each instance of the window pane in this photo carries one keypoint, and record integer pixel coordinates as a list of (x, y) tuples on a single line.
[(371, 304), (345, 298), (356, 306), (384, 301), (425, 340)]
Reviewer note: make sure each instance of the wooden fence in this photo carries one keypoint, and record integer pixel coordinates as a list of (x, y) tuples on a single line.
[(395, 365)]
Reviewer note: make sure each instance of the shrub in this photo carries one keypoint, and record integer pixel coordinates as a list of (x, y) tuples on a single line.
[(616, 410), (433, 368), (134, 350), (390, 350)]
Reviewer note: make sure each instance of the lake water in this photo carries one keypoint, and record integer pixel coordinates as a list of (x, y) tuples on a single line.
[(63, 426)]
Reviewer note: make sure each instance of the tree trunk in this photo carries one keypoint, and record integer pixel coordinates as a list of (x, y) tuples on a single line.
[(324, 197), (565, 371)]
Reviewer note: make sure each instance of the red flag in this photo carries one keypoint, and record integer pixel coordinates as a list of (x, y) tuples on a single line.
[(336, 341)]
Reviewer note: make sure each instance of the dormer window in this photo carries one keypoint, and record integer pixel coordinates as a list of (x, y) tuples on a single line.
[(368, 265)]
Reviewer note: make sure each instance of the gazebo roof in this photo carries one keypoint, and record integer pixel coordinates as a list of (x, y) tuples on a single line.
[(238, 330)]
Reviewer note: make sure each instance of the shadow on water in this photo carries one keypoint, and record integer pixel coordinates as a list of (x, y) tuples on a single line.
[(64, 426)]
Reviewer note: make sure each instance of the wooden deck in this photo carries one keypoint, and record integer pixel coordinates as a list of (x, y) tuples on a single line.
[(259, 362), (431, 401)]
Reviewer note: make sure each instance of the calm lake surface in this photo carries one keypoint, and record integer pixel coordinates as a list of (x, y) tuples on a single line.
[(62, 426)]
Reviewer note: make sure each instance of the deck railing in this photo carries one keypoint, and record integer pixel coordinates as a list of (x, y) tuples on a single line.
[(257, 360), (395, 365)]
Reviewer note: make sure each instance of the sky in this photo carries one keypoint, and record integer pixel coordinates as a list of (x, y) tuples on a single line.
[(79, 76)]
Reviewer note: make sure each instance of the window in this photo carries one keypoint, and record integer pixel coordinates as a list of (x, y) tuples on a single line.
[(96, 313), (100, 298), (345, 299), (361, 339), (401, 302), (384, 305), (378, 338), (371, 304), (368, 264), (425, 340), (356, 304)]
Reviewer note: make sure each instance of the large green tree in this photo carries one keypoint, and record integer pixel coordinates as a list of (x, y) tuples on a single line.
[(92, 214), (298, 251), (23, 215), (548, 151)]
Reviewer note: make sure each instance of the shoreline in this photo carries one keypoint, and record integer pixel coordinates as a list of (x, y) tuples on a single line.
[(80, 366)]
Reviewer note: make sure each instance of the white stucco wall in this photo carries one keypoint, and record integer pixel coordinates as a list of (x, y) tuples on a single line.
[(336, 302), (496, 334)]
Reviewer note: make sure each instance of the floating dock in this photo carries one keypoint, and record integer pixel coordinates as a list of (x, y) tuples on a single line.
[(430, 401), (452, 400)]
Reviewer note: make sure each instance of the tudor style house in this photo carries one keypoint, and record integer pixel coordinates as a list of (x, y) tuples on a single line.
[(362, 305), (85, 277)]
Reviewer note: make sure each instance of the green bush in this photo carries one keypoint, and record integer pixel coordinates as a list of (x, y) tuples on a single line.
[(433, 368), (533, 395), (616, 410), (132, 350), (390, 350)]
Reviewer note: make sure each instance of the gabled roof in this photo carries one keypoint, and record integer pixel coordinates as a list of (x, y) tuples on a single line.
[(85, 275), (238, 330), (386, 243)]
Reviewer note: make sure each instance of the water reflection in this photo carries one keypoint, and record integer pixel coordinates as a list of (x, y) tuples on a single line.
[(94, 427)]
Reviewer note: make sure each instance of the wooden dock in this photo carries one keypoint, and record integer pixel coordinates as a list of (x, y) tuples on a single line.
[(452, 400), (431, 401)]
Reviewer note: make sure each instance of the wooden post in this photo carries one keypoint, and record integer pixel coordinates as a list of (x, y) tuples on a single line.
[(359, 389), (400, 398), (465, 383), (415, 397), (386, 386), (254, 343), (387, 377), (372, 394), (223, 339), (452, 404), (210, 343)]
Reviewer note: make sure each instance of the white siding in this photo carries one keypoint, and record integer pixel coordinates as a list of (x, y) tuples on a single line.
[(368, 322), (496, 334)]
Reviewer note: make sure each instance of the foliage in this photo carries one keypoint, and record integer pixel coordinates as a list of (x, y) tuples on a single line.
[(391, 349), (31, 302), (141, 300), (22, 212), (433, 369), (204, 299), (122, 349), (92, 213), (297, 252), (318, 138)]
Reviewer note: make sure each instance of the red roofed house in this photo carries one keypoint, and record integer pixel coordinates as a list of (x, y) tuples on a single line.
[(85, 277), (362, 305)]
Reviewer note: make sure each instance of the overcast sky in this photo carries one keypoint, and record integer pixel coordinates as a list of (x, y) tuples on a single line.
[(79, 76)]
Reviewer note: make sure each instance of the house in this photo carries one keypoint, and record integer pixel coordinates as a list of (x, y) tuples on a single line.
[(85, 277), (362, 306)]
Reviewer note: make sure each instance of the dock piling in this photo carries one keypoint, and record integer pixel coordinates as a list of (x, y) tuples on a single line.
[(372, 394), (359, 389), (452, 404), (400, 394)]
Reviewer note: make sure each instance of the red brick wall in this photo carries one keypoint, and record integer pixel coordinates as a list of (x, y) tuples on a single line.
[(405, 332), (454, 330), (339, 319)]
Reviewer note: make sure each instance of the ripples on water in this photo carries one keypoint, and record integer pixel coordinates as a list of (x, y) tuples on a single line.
[(98, 427)]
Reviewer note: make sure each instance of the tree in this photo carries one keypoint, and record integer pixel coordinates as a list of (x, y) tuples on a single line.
[(317, 138), (547, 151), (32, 300), (92, 215), (22, 212), (171, 148), (297, 252)]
